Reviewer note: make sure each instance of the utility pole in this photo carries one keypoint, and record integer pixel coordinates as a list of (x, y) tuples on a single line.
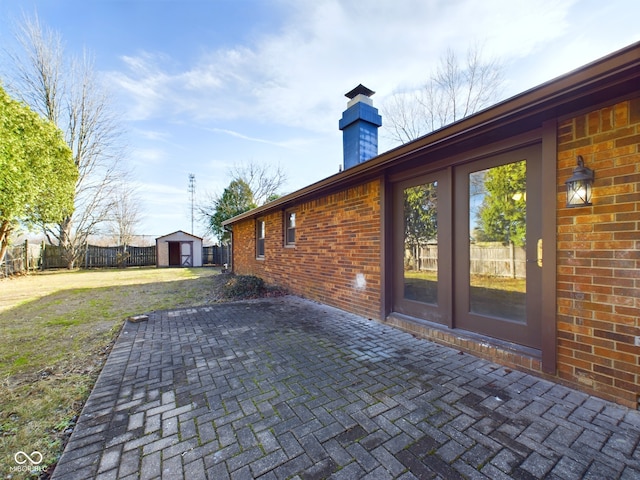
[(192, 191)]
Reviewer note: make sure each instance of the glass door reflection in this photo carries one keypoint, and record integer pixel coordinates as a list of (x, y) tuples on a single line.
[(421, 243), (497, 241)]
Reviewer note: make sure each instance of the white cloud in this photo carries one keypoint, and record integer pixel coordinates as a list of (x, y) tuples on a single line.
[(148, 156), (295, 143), (297, 75), (163, 205), (277, 97), (154, 135)]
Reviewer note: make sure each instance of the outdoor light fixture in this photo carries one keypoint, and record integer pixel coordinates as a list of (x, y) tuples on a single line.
[(579, 185)]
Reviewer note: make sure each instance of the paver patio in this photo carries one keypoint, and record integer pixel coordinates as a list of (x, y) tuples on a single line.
[(287, 388)]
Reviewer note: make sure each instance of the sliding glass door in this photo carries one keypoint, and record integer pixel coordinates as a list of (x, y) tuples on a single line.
[(467, 248), (498, 247), (422, 229)]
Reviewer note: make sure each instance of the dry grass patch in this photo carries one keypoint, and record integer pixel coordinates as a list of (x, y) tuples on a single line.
[(57, 329)]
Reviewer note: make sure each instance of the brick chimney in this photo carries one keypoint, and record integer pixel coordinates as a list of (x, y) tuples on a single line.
[(359, 125)]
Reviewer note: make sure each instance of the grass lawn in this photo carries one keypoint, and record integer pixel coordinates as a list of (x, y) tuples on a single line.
[(496, 283), (56, 330), (421, 286), (501, 297)]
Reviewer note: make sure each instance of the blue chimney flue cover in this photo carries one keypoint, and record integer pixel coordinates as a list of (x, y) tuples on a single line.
[(359, 125)]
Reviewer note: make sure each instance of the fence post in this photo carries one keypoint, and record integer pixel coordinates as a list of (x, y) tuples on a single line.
[(26, 255), (512, 251)]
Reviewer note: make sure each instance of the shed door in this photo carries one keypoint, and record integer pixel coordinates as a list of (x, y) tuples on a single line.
[(174, 254), (186, 254)]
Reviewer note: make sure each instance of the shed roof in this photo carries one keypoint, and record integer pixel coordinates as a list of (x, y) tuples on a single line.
[(179, 231), (603, 80)]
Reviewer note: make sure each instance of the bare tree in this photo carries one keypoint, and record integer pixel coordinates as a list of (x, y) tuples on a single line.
[(264, 180), (125, 214), (66, 91), (405, 116), (251, 185), (453, 92)]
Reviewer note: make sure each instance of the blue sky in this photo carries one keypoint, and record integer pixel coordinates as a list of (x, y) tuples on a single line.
[(203, 85)]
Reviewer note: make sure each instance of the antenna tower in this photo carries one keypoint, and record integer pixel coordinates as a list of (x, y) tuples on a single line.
[(192, 191)]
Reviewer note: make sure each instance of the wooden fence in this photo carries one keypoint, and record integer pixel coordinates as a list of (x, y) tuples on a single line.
[(98, 257), (216, 255), (121, 256), (28, 256), (20, 259), (51, 257), (495, 260)]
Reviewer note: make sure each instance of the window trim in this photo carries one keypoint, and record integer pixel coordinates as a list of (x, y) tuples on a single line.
[(261, 229), (288, 228)]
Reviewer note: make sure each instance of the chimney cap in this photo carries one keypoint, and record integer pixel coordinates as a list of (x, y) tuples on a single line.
[(359, 90)]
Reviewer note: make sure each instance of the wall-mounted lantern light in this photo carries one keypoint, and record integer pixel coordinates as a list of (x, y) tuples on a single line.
[(579, 185)]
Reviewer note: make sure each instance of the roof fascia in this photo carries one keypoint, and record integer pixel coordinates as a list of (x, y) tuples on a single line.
[(547, 99), (178, 231)]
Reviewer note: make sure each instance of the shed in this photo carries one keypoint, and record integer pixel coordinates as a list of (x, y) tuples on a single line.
[(179, 249)]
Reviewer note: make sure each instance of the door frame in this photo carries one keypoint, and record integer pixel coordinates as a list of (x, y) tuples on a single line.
[(528, 334), (441, 312), (173, 247), (428, 162)]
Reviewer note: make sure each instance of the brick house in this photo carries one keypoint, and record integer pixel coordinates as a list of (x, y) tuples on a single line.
[(430, 238)]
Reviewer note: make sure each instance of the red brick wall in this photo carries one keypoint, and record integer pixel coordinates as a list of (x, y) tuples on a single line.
[(336, 259), (598, 258), (598, 254)]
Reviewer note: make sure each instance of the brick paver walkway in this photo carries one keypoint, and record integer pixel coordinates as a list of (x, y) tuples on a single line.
[(286, 388)]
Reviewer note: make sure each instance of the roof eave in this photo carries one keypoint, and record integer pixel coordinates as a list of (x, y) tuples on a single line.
[(548, 98)]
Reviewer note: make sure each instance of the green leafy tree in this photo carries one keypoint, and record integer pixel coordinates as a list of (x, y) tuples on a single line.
[(68, 92), (237, 198), (420, 217), (502, 215), (37, 172), (252, 184)]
